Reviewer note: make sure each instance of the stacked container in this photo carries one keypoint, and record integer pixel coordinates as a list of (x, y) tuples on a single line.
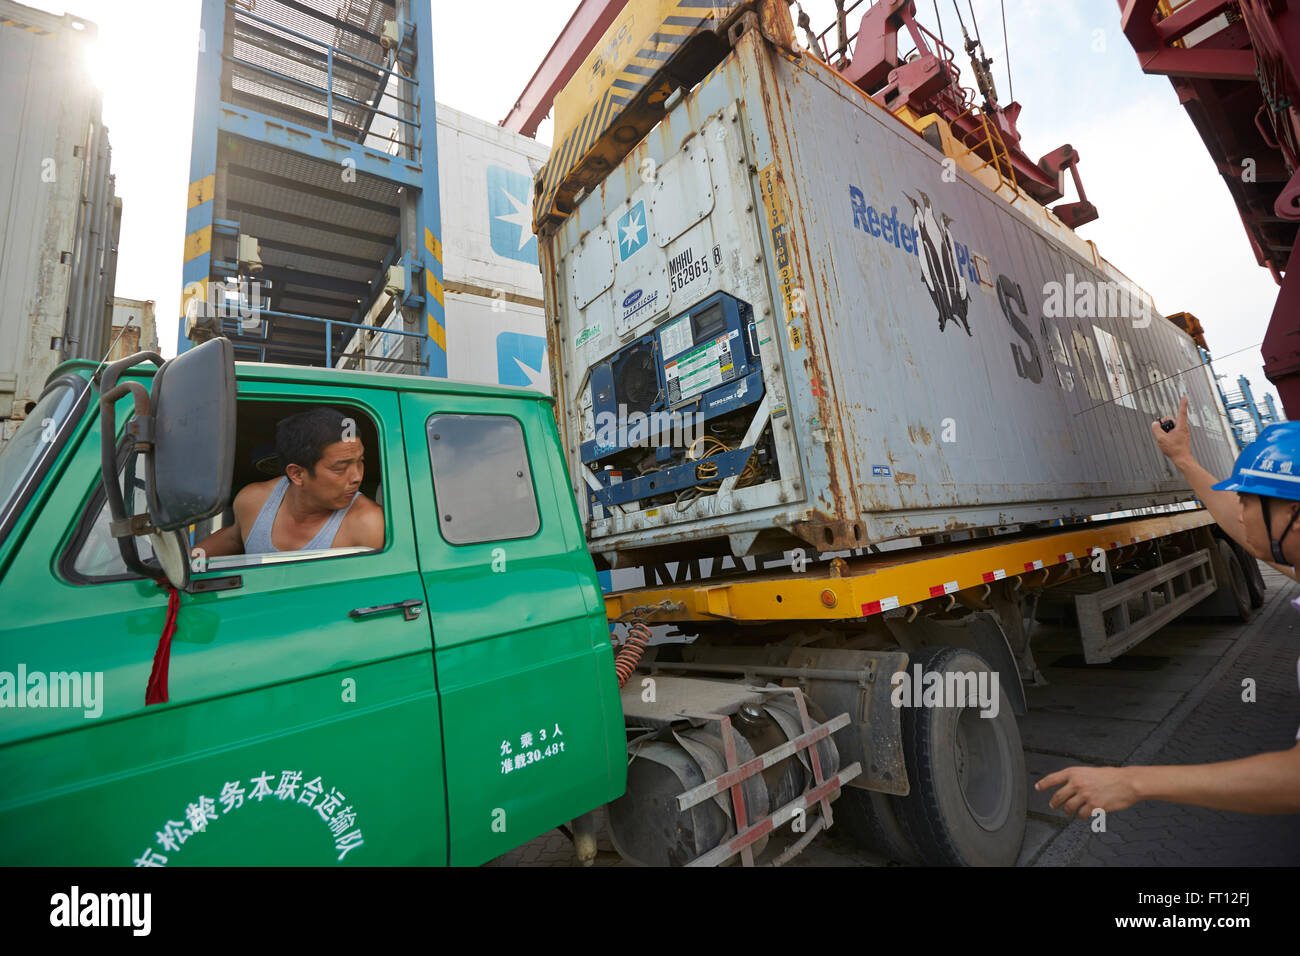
[(496, 332), (60, 218)]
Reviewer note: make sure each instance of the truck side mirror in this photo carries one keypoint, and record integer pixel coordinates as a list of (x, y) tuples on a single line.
[(192, 409), (185, 428)]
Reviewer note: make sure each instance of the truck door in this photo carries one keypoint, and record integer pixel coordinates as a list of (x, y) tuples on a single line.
[(296, 731), (534, 730)]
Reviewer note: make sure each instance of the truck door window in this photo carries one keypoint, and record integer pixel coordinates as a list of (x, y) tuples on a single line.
[(482, 482), (93, 555)]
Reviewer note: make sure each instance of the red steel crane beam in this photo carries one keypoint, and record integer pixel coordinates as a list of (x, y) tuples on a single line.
[(579, 36), (1238, 77)]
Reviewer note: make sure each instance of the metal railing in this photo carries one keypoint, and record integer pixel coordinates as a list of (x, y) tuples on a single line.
[(267, 341), (331, 60)]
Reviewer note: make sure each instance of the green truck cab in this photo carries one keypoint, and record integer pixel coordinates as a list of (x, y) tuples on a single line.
[(437, 701)]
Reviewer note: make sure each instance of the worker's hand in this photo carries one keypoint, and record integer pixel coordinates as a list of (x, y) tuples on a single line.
[(1084, 789), (1177, 444)]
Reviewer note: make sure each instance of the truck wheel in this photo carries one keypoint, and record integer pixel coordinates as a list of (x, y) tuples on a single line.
[(1236, 584), (967, 805), (869, 819), (1254, 579)]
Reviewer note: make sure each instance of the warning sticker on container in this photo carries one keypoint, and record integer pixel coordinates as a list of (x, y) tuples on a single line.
[(700, 369), (774, 204), (676, 337)]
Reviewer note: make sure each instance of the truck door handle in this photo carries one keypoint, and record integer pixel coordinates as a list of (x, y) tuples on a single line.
[(410, 609)]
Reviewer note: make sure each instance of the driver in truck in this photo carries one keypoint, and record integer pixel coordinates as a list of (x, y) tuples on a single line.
[(1257, 506), (315, 504)]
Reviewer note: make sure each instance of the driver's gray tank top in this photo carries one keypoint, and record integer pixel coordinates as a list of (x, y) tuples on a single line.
[(259, 539)]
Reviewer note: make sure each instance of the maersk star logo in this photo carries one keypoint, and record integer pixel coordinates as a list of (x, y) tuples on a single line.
[(510, 214), (632, 231), (521, 360)]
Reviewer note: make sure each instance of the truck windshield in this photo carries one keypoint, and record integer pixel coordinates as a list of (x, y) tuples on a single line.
[(23, 454)]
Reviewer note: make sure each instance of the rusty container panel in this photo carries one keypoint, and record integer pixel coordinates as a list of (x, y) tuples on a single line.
[(931, 358)]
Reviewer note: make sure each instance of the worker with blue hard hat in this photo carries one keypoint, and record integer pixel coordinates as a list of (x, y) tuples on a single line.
[(1267, 471)]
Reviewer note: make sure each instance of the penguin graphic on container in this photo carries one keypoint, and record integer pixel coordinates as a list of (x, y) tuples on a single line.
[(937, 252)]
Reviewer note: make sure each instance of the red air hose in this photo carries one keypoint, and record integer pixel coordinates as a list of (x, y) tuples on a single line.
[(156, 691), (627, 657)]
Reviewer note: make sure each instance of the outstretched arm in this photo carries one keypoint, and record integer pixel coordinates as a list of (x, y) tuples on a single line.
[(1264, 783), (1177, 446), (1223, 506)]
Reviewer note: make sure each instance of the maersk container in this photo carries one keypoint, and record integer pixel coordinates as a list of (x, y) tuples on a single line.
[(496, 330), (785, 321), (60, 223)]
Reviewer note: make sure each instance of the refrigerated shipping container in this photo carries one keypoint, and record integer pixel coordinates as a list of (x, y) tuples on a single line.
[(496, 331), (61, 219), (811, 330)]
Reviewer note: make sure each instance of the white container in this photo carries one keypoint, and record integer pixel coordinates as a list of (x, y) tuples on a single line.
[(58, 238), (496, 331)]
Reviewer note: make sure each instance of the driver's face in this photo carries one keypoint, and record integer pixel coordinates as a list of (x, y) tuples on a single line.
[(338, 474)]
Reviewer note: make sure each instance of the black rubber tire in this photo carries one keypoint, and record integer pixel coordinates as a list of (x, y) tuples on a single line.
[(1254, 579), (1236, 586), (869, 820), (939, 743)]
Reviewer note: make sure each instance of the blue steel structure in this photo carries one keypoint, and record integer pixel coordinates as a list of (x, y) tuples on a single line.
[(1253, 419), (314, 181)]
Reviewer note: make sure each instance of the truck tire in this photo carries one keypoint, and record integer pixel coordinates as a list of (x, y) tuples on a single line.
[(968, 801), (1254, 579), (1236, 585), (869, 820)]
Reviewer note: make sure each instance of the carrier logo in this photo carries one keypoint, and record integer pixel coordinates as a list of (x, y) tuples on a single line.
[(510, 219), (637, 302), (632, 232)]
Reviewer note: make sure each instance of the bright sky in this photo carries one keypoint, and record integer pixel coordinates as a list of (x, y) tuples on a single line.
[(1166, 218)]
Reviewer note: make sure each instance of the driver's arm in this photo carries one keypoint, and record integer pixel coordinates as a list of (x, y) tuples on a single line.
[(230, 539)]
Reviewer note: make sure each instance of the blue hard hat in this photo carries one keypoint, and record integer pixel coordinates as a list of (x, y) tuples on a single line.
[(1269, 466)]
